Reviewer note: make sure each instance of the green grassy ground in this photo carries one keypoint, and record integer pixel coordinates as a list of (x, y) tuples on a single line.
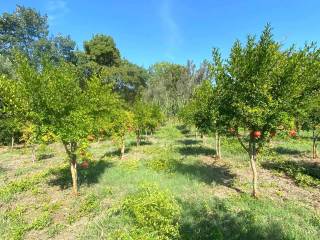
[(170, 187)]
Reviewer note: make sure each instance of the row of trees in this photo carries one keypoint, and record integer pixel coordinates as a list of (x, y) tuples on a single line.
[(51, 92), (260, 88), (26, 31)]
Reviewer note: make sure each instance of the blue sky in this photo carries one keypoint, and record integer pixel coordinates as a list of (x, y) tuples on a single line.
[(148, 31)]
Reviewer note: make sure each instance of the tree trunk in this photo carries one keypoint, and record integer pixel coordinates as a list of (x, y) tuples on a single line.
[(33, 152), (217, 142), (314, 146), (253, 156), (122, 150), (12, 142), (73, 164), (138, 138), (74, 175), (219, 147)]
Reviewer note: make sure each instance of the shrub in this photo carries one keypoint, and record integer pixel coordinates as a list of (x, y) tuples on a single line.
[(153, 211)]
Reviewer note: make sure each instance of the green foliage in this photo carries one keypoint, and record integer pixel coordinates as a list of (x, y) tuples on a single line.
[(171, 85), (147, 117), (121, 125), (127, 79), (58, 48), (21, 30), (249, 84), (44, 151), (17, 225), (13, 107), (200, 110), (155, 211), (89, 204), (304, 174), (21, 185), (59, 104), (102, 50)]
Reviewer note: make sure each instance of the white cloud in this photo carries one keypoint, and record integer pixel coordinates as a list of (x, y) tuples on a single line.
[(172, 33), (56, 9)]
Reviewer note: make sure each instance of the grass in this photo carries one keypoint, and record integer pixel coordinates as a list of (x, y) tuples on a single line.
[(192, 195)]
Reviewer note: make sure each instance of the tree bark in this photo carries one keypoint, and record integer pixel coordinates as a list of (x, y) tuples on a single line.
[(138, 139), (253, 155), (122, 150), (12, 142), (33, 152), (74, 175), (314, 145), (219, 146), (217, 142), (73, 164)]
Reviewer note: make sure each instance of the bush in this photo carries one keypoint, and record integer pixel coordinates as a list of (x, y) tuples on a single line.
[(162, 164), (153, 211), (44, 152)]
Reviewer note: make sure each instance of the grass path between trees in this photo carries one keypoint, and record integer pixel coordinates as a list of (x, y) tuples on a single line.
[(196, 196)]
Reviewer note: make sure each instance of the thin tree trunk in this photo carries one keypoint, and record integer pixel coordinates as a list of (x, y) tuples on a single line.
[(253, 155), (33, 152), (314, 145), (73, 164), (138, 138), (217, 142), (219, 147), (74, 175), (122, 150), (12, 142)]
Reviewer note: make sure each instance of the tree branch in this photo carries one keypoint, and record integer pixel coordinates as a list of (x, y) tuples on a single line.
[(242, 144)]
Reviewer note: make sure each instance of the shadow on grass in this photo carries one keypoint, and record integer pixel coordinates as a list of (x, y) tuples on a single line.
[(127, 149), (45, 156), (302, 172), (189, 141), (287, 151), (207, 173), (215, 221), (197, 150), (144, 142), (114, 153), (2, 170), (89, 176), (183, 129)]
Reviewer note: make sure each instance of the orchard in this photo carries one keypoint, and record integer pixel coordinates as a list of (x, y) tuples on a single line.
[(94, 146)]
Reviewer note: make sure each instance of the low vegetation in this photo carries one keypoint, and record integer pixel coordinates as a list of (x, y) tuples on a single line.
[(180, 193)]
